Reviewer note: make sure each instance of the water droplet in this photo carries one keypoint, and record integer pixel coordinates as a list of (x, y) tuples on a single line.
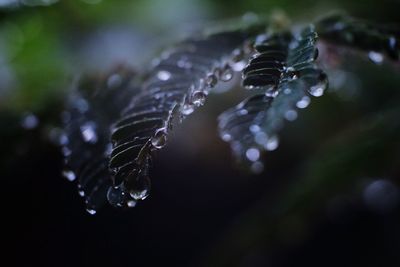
[(252, 154), (257, 167), (187, 109), (272, 143), (131, 203), (160, 139), (254, 128), (69, 175), (226, 73), (81, 193), (237, 61), (81, 104), (163, 75), (114, 81), (198, 98), (287, 91), (211, 80), (303, 102), (88, 132), (29, 121), (242, 112), (141, 188), (116, 196), (271, 92), (375, 57), (184, 63), (226, 137), (291, 115), (91, 211), (319, 88)]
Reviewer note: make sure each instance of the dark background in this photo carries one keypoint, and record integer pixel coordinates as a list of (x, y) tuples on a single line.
[(329, 196)]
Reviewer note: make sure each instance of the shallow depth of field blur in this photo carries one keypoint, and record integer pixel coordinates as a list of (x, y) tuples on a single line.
[(329, 196)]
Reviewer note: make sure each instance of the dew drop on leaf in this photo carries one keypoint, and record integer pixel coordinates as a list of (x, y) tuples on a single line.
[(163, 75), (375, 57), (291, 115), (211, 80), (303, 102), (69, 175), (116, 196), (252, 154), (114, 81), (131, 203), (141, 188), (226, 137), (198, 98), (160, 139), (272, 143), (29, 121), (91, 211), (319, 88), (187, 109), (88, 132), (226, 73)]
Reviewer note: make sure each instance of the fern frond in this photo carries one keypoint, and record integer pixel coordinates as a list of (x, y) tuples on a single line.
[(92, 108), (285, 72), (178, 83)]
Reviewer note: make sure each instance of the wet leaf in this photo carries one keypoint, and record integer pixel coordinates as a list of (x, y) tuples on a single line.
[(285, 72)]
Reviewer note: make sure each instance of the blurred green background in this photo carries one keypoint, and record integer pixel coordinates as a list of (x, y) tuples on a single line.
[(329, 196)]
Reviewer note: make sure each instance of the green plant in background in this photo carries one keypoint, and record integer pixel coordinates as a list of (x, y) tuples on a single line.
[(115, 124)]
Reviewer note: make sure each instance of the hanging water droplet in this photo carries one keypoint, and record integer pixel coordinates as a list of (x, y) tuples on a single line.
[(29, 121), (187, 109), (88, 132), (303, 102), (272, 143), (91, 211), (226, 73), (254, 128), (116, 196), (63, 139), (272, 92), (237, 61), (114, 81), (291, 115), (131, 203), (160, 139), (375, 57), (163, 75), (319, 88), (81, 193), (242, 112), (81, 104), (141, 188), (257, 167), (198, 98), (287, 91), (184, 63), (252, 154), (226, 137), (69, 175), (211, 80)]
